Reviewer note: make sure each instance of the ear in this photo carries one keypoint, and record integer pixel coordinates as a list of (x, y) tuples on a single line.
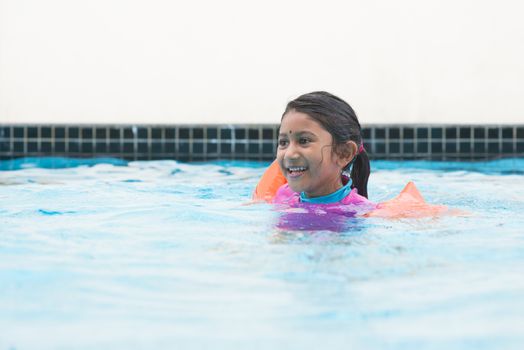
[(345, 153)]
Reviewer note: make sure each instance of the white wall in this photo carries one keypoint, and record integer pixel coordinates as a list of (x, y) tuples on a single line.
[(229, 61)]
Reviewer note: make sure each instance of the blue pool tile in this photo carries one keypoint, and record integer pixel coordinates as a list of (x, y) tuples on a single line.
[(169, 147), (211, 147), (479, 133), (170, 133), (18, 146), (409, 147), (5, 146), (409, 133), (100, 147), (156, 147), (493, 147), (86, 147), (114, 134), (32, 147), (87, 133), (465, 132), (127, 134), (198, 133), (142, 133), (380, 133), (394, 133), (422, 147), (380, 148), (32, 133), (115, 147), (183, 133), (73, 133), (225, 148), (45, 132), (451, 147), (60, 132), (451, 133), (129, 147), (394, 147), (240, 134), (100, 133), (267, 134), (493, 133), (436, 147), (73, 147), (240, 148), (268, 148), (507, 147), (465, 147), (253, 148), (422, 133), (183, 148), (211, 133), (18, 132), (5, 132), (479, 147), (142, 147), (436, 133), (507, 133), (156, 133), (225, 134), (46, 147), (60, 147), (198, 147)]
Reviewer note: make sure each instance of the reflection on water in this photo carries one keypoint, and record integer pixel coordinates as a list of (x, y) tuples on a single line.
[(316, 219)]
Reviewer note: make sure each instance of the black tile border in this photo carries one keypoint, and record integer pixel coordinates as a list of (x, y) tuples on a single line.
[(252, 141)]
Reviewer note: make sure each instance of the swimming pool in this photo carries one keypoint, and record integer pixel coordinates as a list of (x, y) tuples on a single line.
[(107, 254)]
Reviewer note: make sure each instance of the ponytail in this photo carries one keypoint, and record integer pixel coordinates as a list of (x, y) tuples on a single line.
[(360, 173)]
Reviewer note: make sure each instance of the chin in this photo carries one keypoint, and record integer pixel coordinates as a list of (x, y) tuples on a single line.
[(296, 187)]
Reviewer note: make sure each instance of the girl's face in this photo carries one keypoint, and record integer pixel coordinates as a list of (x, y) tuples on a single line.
[(306, 158)]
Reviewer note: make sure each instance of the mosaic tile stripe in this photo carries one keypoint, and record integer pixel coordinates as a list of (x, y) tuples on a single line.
[(251, 142)]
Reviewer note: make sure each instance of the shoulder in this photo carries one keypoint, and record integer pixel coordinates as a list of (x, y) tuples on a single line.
[(354, 198)]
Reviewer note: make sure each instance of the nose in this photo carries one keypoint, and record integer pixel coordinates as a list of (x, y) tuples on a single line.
[(291, 151)]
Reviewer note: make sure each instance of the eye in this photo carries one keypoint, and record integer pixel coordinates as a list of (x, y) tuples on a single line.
[(282, 142), (304, 140)]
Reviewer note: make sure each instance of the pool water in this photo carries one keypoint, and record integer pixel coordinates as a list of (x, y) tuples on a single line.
[(105, 254)]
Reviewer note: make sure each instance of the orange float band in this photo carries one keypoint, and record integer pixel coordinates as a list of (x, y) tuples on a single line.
[(408, 204), (269, 183)]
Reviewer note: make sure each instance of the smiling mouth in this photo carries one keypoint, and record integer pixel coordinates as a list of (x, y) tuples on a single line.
[(295, 171)]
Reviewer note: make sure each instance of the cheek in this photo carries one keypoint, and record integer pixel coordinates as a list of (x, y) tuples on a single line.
[(280, 155), (280, 159)]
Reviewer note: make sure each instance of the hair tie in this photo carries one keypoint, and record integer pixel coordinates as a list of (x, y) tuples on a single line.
[(361, 148)]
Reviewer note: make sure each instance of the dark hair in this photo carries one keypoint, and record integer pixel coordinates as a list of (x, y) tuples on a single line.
[(338, 118)]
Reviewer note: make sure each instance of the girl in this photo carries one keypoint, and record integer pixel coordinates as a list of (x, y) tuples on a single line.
[(320, 153), (322, 163)]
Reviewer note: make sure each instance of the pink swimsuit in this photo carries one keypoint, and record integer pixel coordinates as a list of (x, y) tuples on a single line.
[(319, 216)]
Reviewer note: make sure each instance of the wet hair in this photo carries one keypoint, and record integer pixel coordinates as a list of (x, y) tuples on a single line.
[(338, 118)]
